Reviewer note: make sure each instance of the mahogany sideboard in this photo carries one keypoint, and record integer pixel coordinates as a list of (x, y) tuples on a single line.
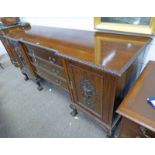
[(95, 68), (138, 116)]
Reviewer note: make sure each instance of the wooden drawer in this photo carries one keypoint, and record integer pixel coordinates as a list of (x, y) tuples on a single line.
[(45, 54), (30, 48), (57, 70), (131, 129), (51, 78)]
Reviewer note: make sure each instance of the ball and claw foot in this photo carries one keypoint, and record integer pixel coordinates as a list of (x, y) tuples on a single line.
[(26, 78), (39, 86), (110, 134), (71, 106), (74, 112)]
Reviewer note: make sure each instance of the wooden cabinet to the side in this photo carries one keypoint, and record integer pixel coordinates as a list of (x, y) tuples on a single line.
[(130, 129)]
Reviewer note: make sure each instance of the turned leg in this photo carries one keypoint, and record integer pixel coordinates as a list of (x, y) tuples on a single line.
[(39, 85), (110, 134)]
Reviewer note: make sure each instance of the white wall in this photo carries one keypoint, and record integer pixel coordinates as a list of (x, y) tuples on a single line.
[(151, 51), (2, 49), (74, 23)]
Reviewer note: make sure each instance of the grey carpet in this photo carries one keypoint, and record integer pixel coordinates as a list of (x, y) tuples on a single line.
[(27, 112)]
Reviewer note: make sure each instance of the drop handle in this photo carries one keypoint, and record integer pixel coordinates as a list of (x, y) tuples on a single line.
[(31, 51), (53, 60), (40, 73), (55, 71), (58, 82)]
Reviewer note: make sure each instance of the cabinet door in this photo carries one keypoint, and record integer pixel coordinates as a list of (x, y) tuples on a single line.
[(87, 88)]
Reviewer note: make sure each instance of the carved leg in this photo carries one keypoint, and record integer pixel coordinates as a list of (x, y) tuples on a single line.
[(39, 85), (26, 78)]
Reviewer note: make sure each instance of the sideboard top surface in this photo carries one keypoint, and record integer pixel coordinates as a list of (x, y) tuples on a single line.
[(135, 106), (106, 50)]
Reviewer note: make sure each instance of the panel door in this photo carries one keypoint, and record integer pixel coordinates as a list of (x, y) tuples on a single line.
[(87, 86)]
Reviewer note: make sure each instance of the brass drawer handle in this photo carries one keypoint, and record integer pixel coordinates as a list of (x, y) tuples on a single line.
[(58, 82), (35, 60), (144, 132), (31, 50), (52, 59), (16, 62), (55, 71)]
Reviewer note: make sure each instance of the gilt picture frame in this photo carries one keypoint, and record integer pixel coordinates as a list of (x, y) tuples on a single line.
[(101, 23)]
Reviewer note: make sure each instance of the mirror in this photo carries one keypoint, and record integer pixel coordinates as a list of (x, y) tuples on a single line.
[(127, 20)]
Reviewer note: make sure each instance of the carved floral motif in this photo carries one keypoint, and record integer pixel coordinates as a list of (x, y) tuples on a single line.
[(88, 92)]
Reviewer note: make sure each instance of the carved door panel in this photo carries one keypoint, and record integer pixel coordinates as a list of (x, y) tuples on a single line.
[(23, 58), (87, 89), (16, 52)]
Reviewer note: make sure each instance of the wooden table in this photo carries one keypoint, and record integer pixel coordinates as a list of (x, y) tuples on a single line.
[(138, 116)]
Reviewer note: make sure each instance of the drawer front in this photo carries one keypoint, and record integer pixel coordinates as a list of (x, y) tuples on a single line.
[(49, 77), (58, 71), (30, 49), (131, 129), (45, 54)]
